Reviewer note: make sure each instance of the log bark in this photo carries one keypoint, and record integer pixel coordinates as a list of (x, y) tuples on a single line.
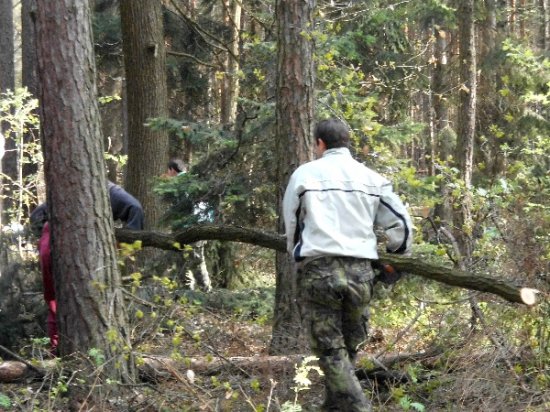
[(14, 371), (447, 275), (160, 368)]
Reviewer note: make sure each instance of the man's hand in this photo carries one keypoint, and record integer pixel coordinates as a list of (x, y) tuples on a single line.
[(385, 273)]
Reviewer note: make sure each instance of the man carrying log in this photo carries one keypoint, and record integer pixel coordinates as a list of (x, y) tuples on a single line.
[(330, 208)]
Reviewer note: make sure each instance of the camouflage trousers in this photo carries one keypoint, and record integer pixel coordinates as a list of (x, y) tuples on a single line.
[(334, 296)]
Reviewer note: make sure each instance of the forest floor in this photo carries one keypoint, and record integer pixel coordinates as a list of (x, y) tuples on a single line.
[(216, 359)]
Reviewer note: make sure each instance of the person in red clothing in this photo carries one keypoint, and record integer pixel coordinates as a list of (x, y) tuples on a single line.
[(124, 207), (44, 253)]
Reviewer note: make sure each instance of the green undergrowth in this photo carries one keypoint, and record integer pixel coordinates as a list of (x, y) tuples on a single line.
[(499, 362), (244, 304)]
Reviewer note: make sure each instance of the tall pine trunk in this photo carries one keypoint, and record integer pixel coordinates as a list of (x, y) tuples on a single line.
[(294, 111), (8, 162), (28, 46), (466, 122), (466, 138), (91, 311), (7, 69), (544, 31), (230, 84), (29, 77), (443, 144), (147, 98)]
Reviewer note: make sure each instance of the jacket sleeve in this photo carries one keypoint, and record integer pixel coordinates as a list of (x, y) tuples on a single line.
[(291, 204), (394, 218)]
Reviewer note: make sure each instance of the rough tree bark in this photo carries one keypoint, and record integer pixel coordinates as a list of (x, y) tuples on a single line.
[(294, 112), (147, 97), (230, 82), (91, 311), (466, 124)]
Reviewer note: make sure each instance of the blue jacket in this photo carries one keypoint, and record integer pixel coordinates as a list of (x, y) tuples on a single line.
[(124, 206)]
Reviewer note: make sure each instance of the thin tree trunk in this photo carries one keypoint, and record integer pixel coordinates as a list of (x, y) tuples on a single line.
[(30, 81), (230, 83), (522, 19), (430, 118), (466, 138), (294, 111), (8, 163), (444, 142), (489, 83), (512, 16), (111, 115), (544, 13), (466, 122), (28, 38)]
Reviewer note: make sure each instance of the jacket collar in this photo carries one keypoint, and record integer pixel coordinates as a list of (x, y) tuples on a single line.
[(337, 151)]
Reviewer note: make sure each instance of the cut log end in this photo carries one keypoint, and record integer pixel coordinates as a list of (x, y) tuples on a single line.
[(12, 371), (529, 296)]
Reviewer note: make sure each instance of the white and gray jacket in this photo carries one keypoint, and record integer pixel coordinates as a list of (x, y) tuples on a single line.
[(332, 204)]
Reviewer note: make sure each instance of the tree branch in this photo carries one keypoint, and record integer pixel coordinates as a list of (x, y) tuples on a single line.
[(190, 56), (271, 240)]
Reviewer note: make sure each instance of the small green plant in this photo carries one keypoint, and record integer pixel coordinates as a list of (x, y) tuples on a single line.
[(255, 385), (5, 401), (405, 401), (60, 388), (97, 356), (407, 405), (40, 342), (302, 383)]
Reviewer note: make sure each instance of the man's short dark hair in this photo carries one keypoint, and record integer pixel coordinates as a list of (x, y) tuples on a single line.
[(38, 219), (177, 165), (333, 132)]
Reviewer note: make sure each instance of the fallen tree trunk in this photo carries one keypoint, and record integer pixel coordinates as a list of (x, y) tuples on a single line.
[(159, 368), (270, 240), (16, 371)]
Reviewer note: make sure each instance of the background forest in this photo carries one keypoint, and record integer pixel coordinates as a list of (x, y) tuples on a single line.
[(450, 99)]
